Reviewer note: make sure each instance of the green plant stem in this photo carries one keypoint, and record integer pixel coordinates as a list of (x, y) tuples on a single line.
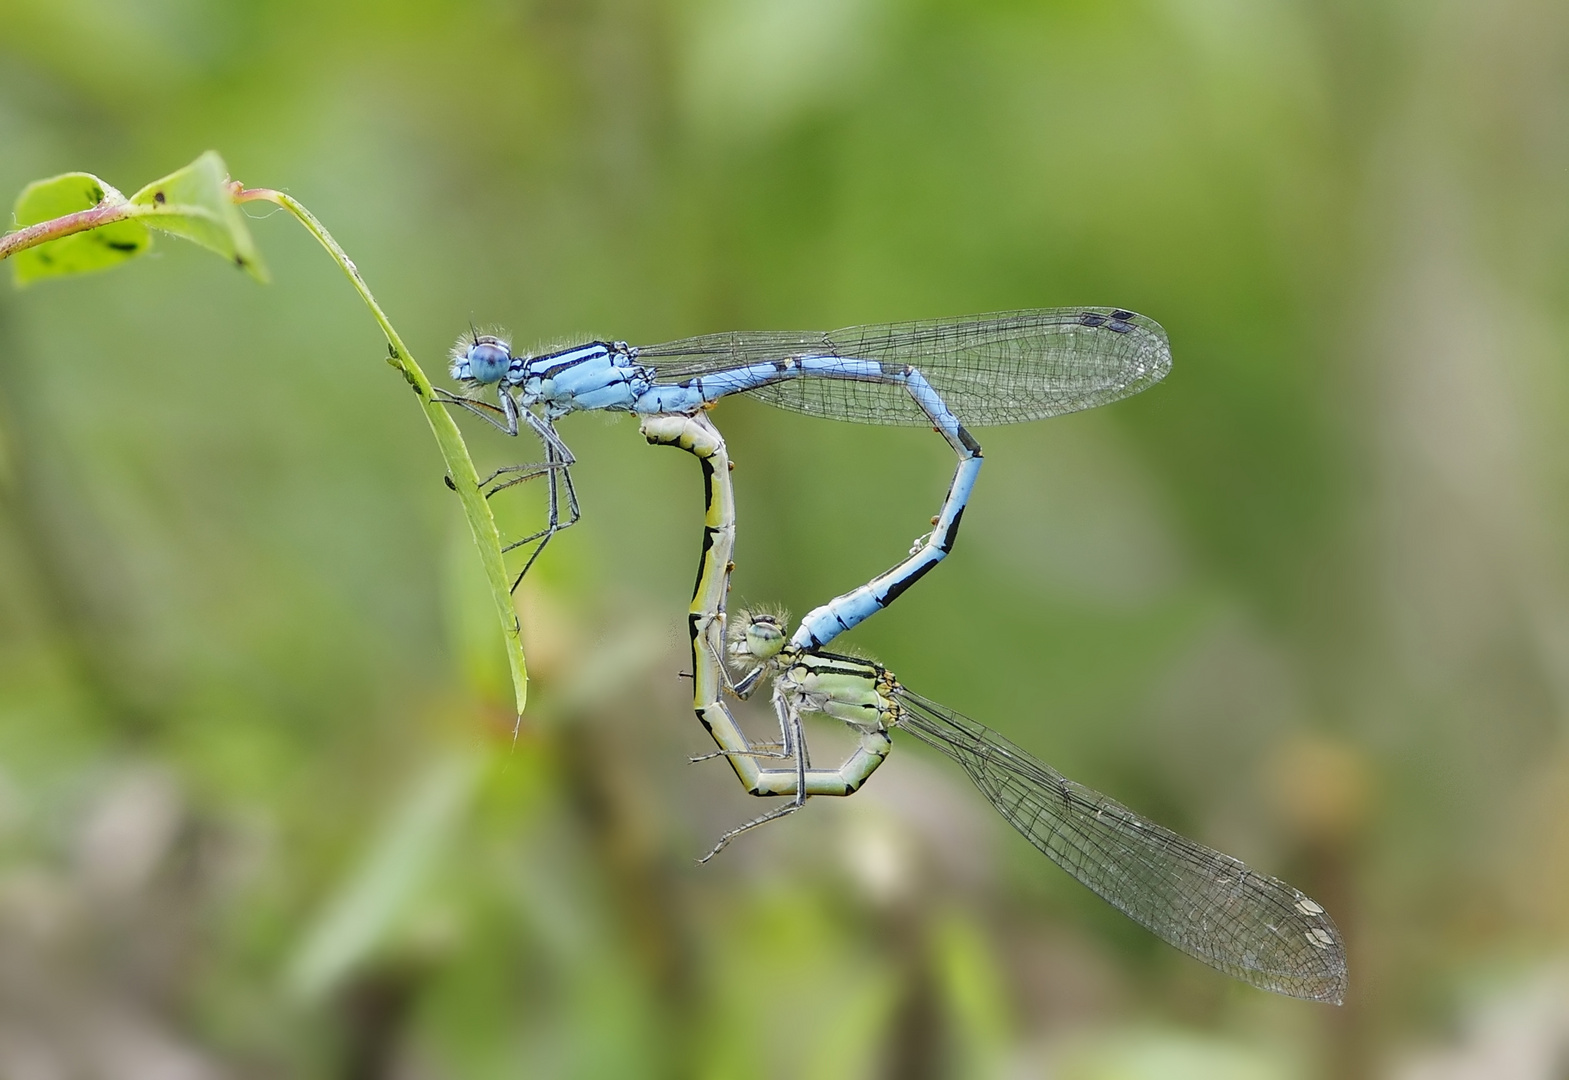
[(460, 467)]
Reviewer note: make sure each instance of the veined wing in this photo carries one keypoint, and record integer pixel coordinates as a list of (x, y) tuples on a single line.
[(1001, 368), (1208, 904)]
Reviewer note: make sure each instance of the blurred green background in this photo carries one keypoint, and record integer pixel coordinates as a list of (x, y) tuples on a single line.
[(261, 814)]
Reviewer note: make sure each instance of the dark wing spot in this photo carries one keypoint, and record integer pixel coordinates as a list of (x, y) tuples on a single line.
[(1090, 318), (1120, 327), (1121, 316), (158, 197)]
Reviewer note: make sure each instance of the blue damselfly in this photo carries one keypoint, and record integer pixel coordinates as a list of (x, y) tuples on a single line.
[(990, 369)]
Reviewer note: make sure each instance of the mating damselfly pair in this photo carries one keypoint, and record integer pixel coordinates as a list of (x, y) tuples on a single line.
[(991, 369)]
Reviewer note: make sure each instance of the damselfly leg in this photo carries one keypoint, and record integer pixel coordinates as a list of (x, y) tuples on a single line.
[(792, 748), (508, 417), (556, 468)]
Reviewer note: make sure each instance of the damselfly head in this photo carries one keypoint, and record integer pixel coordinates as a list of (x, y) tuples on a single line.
[(761, 636), (480, 358)]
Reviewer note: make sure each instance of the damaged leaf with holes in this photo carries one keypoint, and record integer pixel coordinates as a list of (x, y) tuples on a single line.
[(193, 203), (97, 249)]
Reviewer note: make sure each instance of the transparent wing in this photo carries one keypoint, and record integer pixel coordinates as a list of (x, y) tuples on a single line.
[(1002, 368), (1209, 905)]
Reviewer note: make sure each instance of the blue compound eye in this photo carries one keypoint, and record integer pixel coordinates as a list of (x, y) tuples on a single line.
[(483, 359)]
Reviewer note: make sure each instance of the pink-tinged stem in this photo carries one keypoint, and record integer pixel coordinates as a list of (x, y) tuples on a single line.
[(240, 193), (105, 213)]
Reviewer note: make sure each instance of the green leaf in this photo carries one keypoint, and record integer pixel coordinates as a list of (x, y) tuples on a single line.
[(97, 249), (195, 203)]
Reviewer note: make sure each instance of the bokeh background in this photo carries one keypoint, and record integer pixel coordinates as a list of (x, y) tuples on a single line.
[(261, 809)]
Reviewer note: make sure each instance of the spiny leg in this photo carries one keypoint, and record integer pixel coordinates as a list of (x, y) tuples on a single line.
[(558, 457), (556, 468), (790, 731), (791, 735), (758, 750), (557, 473), (516, 474), (487, 412)]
